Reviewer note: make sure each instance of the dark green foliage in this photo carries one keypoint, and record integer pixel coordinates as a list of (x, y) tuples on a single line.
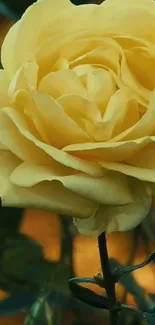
[(14, 8), (10, 219), (20, 254)]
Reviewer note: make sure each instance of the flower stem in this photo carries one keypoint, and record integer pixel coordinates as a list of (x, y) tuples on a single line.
[(108, 279)]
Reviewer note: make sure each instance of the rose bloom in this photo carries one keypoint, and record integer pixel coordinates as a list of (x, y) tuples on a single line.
[(77, 118)]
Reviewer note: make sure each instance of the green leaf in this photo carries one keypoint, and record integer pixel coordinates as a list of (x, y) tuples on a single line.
[(40, 312), (19, 253), (53, 276), (150, 317), (48, 313), (10, 219), (131, 318)]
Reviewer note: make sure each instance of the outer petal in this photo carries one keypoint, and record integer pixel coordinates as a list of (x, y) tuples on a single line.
[(113, 188), (36, 19), (110, 151), (4, 84), (142, 13), (45, 18), (49, 196), (18, 120), (117, 218), (145, 173)]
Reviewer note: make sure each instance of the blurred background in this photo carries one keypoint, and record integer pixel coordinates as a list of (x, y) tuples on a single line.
[(63, 251)]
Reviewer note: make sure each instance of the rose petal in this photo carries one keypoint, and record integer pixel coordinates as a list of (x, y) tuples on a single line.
[(89, 167), (57, 122), (64, 82), (125, 145), (128, 76), (15, 142), (32, 27), (129, 42), (100, 86), (110, 189), (37, 24), (8, 50), (144, 127), (144, 158), (120, 14), (80, 110), (109, 151), (121, 113), (117, 218), (143, 174), (4, 84), (53, 50), (25, 78), (44, 196), (141, 60), (107, 55)]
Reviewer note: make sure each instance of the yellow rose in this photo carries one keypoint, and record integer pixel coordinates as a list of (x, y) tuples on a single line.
[(77, 118)]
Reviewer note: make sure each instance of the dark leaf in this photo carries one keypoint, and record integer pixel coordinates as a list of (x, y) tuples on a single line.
[(52, 277), (152, 296), (150, 317), (88, 296), (23, 301), (19, 257), (14, 8), (16, 303), (131, 318), (10, 219)]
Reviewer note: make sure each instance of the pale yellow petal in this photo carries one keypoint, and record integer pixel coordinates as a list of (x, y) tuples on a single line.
[(120, 14), (135, 138), (117, 19), (25, 78), (128, 42), (80, 110), (144, 127), (109, 151), (8, 50), (53, 52), (4, 84), (64, 158), (23, 38), (142, 174), (57, 123), (84, 44), (23, 102), (145, 158), (16, 143), (110, 189), (8, 162), (117, 218), (53, 49), (100, 86), (48, 196), (141, 61), (136, 72), (121, 113), (49, 119), (63, 82), (107, 55), (45, 18)]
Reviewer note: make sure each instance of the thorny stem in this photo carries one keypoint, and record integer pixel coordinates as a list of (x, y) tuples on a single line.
[(108, 279)]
